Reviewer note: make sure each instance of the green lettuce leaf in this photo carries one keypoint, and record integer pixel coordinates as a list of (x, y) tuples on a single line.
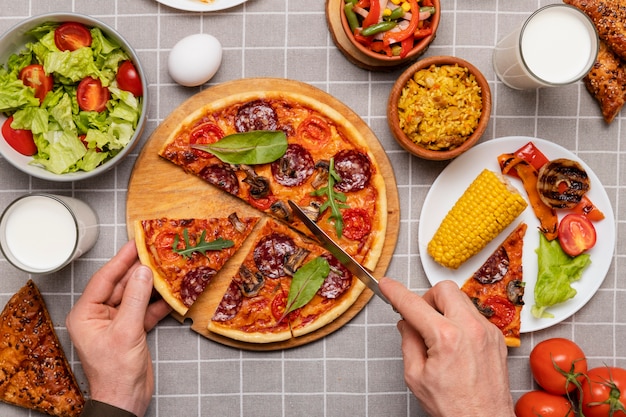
[(556, 271)]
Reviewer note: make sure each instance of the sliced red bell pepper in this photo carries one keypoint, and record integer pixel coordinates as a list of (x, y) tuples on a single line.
[(588, 209), (406, 45), (422, 33), (393, 37), (379, 46), (373, 15)]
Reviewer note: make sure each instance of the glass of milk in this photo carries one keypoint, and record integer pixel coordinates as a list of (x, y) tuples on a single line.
[(556, 45), (42, 233)]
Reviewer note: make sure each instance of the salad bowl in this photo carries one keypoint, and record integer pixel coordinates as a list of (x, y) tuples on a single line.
[(112, 131)]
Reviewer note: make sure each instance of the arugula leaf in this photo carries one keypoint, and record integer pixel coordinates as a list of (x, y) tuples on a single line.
[(201, 246), (334, 198), (305, 283), (248, 148), (556, 271)]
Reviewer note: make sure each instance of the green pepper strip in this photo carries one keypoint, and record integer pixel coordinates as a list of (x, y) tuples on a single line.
[(396, 14), (378, 28), (353, 21), (429, 9)]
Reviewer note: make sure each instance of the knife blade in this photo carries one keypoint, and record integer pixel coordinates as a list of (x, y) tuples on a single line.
[(342, 256)]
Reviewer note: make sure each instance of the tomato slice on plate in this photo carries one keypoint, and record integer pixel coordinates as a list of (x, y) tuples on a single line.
[(576, 234), (128, 79), (35, 77), (71, 36), (91, 95), (21, 140)]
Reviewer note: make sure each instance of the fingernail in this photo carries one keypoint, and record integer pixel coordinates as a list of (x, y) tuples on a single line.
[(143, 273)]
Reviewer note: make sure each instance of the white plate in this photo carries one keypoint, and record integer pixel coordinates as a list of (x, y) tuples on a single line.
[(453, 181), (200, 6)]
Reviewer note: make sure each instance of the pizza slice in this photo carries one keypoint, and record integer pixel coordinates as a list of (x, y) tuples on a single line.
[(262, 302), (327, 166), (497, 287), (34, 371), (185, 254)]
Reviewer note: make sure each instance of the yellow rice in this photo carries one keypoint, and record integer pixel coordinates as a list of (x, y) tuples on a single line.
[(440, 106)]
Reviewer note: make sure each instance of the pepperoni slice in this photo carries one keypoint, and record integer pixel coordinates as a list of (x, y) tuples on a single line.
[(294, 167), (271, 252), (337, 281), (256, 115), (357, 223), (494, 268), (354, 168), (230, 304), (222, 177), (194, 282)]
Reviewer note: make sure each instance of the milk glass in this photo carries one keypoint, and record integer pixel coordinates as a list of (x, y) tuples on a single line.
[(42, 233), (557, 45)]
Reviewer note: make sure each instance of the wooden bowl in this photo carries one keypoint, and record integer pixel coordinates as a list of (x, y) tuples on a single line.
[(373, 60), (394, 121)]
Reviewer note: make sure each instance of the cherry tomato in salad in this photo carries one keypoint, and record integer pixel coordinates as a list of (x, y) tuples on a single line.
[(604, 392), (544, 404), (91, 95), (357, 223), (558, 365), (128, 79), (576, 234), (35, 77), (71, 36), (19, 139)]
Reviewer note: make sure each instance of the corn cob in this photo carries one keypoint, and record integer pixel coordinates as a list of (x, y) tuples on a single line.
[(486, 208)]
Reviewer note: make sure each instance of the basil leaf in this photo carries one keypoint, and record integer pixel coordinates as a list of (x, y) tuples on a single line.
[(305, 283), (249, 148)]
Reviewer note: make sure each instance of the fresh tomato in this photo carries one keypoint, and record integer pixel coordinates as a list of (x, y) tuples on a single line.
[(357, 223), (91, 95), (35, 77), (543, 404), (576, 234), (558, 365), (604, 392), (263, 203), (71, 36), (279, 305), (128, 79), (203, 134), (19, 139), (588, 209)]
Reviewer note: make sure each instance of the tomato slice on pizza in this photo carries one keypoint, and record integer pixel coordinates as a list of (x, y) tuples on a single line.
[(497, 287), (258, 305), (185, 254)]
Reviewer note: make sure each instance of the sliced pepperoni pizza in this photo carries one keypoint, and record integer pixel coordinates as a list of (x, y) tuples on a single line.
[(258, 305), (497, 287), (185, 254), (326, 168)]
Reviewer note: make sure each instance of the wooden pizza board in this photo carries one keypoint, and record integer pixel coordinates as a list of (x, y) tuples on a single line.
[(157, 188)]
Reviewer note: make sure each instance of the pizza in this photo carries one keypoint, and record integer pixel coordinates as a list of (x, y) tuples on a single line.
[(34, 371), (497, 287), (185, 254), (326, 168), (256, 306)]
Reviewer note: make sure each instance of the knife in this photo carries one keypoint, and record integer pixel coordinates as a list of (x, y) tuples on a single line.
[(341, 255)]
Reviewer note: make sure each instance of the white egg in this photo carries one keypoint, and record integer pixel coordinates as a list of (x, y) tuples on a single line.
[(195, 59)]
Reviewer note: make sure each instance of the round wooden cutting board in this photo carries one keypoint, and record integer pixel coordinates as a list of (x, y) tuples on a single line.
[(157, 188)]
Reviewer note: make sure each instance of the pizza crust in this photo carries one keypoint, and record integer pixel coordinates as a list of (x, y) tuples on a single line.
[(160, 283)]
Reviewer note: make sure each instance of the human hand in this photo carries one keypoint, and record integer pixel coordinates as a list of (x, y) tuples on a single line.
[(108, 326), (454, 358)]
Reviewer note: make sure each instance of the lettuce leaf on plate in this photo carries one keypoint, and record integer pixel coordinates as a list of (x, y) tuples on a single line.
[(556, 271)]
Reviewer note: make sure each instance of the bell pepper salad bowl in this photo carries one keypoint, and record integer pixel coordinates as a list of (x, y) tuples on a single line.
[(439, 107), (393, 32), (73, 96)]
